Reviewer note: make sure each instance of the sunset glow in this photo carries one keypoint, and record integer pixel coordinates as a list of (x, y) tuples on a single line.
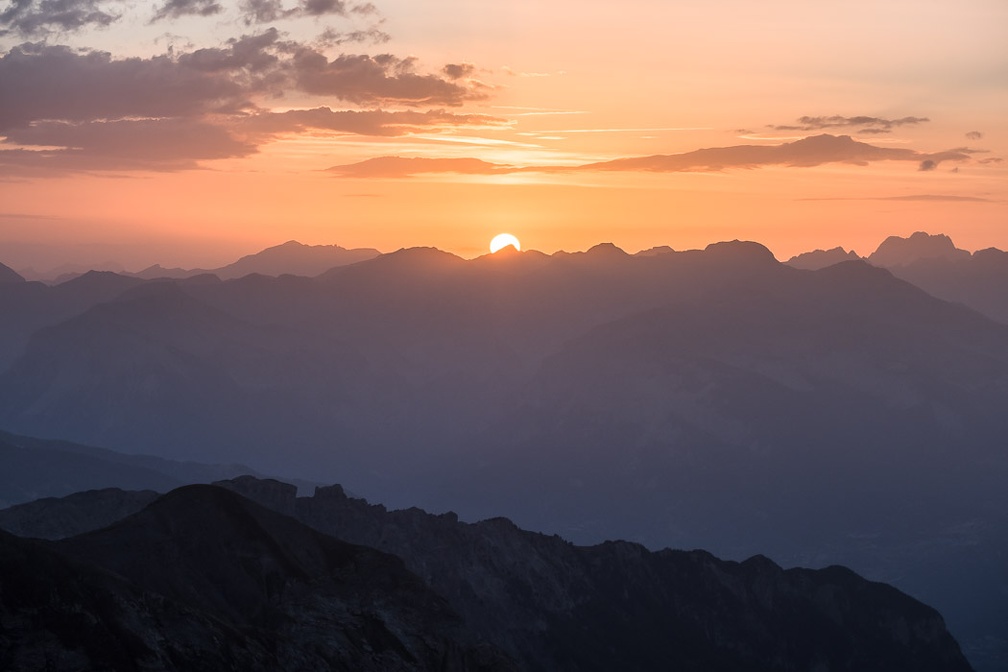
[(189, 132)]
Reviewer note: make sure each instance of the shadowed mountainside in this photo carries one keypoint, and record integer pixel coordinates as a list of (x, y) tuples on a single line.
[(547, 604), (257, 590)]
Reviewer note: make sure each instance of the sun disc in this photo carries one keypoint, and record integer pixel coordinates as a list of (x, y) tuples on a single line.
[(503, 240)]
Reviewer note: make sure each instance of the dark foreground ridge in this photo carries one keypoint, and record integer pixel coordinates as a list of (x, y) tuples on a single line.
[(203, 578)]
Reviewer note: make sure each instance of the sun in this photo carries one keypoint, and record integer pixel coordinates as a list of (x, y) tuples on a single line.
[(502, 240)]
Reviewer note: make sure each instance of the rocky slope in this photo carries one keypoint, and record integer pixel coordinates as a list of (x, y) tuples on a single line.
[(203, 579), (543, 602)]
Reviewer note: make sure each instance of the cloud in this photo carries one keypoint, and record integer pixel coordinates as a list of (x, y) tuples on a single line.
[(868, 125), (334, 38), (176, 8), (909, 197), (266, 11), (975, 135), (364, 122), (458, 70), (927, 165), (40, 82), (396, 166), (381, 79), (73, 109), (40, 17), (146, 144), (807, 152)]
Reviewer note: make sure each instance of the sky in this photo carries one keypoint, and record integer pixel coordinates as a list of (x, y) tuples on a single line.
[(191, 132)]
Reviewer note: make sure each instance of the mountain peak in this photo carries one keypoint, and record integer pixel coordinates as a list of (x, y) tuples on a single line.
[(819, 259), (920, 246), (741, 250)]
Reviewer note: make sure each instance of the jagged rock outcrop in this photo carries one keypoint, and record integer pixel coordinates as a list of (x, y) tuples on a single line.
[(554, 605)]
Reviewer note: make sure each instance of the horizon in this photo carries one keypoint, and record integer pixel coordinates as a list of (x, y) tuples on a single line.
[(110, 264), (199, 131)]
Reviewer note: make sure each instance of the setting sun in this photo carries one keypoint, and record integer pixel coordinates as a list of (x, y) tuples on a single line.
[(503, 240)]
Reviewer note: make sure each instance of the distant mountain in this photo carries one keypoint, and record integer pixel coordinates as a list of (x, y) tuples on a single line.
[(37, 468), (819, 259), (934, 264), (291, 258), (895, 251), (8, 275), (28, 306), (532, 599)]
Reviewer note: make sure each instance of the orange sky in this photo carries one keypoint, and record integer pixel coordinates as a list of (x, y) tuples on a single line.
[(190, 132)]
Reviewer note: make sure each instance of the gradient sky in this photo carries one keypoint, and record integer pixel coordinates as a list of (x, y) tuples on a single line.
[(190, 132)]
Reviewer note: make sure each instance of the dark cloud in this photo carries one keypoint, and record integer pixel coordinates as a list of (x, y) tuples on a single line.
[(322, 7), (868, 125), (146, 144), (381, 79), (927, 165), (39, 17), (173, 9), (261, 11), (63, 108), (39, 81), (397, 166), (975, 135), (458, 70)]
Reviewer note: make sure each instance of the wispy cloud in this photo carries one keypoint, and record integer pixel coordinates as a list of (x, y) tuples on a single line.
[(807, 152), (910, 197), (865, 124), (40, 17), (178, 8), (396, 166)]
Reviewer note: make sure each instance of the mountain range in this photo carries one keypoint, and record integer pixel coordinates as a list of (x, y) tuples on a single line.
[(711, 398), (203, 578)]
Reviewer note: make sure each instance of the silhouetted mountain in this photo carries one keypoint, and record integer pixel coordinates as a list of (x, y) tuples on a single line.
[(543, 602), (711, 398), (261, 592), (295, 259), (9, 276), (819, 259), (895, 251), (979, 281), (290, 258), (61, 517)]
